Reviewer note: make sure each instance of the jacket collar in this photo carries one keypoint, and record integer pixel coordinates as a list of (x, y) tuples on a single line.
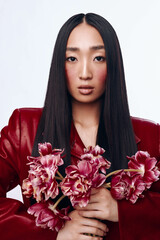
[(137, 139), (77, 145)]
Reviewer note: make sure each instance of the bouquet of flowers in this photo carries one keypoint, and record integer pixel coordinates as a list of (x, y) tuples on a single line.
[(90, 172)]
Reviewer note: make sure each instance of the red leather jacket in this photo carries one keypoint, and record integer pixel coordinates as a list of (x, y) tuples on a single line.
[(140, 221)]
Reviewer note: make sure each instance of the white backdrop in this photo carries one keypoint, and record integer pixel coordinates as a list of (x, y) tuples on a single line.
[(28, 29)]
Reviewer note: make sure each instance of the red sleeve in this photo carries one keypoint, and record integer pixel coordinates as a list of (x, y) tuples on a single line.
[(141, 221), (15, 222)]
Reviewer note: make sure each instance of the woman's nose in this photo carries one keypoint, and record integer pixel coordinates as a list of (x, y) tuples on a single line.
[(85, 72)]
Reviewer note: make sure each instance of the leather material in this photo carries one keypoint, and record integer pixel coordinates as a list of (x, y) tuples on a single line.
[(138, 221)]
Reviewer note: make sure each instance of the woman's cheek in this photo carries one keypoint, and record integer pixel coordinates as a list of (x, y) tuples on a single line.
[(101, 76), (70, 75), (71, 80)]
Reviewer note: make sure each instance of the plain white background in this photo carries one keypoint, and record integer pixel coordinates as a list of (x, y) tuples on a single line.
[(28, 29)]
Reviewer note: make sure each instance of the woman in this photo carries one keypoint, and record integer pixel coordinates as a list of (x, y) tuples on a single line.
[(86, 104)]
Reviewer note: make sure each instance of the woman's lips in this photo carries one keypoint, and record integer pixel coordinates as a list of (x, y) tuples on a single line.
[(85, 90)]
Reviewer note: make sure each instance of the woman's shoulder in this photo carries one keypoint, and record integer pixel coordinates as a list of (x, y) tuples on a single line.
[(145, 128), (136, 121), (24, 118), (28, 111), (26, 114), (148, 134)]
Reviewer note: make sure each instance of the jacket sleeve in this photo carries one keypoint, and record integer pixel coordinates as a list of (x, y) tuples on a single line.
[(15, 222), (141, 221)]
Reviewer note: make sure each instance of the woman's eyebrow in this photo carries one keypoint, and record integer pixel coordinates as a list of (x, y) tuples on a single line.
[(98, 47), (75, 49)]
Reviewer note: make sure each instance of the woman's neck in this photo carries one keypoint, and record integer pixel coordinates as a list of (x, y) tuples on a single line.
[(86, 114), (86, 120)]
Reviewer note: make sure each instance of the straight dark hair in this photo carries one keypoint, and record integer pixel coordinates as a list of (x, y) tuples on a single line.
[(115, 131)]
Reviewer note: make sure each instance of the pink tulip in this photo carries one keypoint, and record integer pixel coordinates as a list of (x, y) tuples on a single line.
[(45, 148), (41, 179), (147, 165), (127, 186), (93, 155), (78, 182), (46, 216), (27, 186)]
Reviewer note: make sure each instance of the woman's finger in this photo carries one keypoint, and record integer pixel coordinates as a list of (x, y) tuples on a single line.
[(94, 223), (94, 231)]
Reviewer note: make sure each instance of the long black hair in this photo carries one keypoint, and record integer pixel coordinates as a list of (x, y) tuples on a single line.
[(115, 131)]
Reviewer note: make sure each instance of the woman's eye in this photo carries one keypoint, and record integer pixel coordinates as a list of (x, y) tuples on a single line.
[(99, 59), (71, 59)]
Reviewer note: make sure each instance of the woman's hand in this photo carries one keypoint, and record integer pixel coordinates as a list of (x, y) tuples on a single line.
[(78, 225), (101, 206)]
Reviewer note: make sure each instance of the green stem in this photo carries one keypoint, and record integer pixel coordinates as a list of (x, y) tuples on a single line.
[(107, 185), (58, 201), (125, 170), (58, 178), (61, 177)]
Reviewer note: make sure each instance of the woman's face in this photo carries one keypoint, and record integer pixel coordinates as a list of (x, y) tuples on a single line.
[(85, 66)]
